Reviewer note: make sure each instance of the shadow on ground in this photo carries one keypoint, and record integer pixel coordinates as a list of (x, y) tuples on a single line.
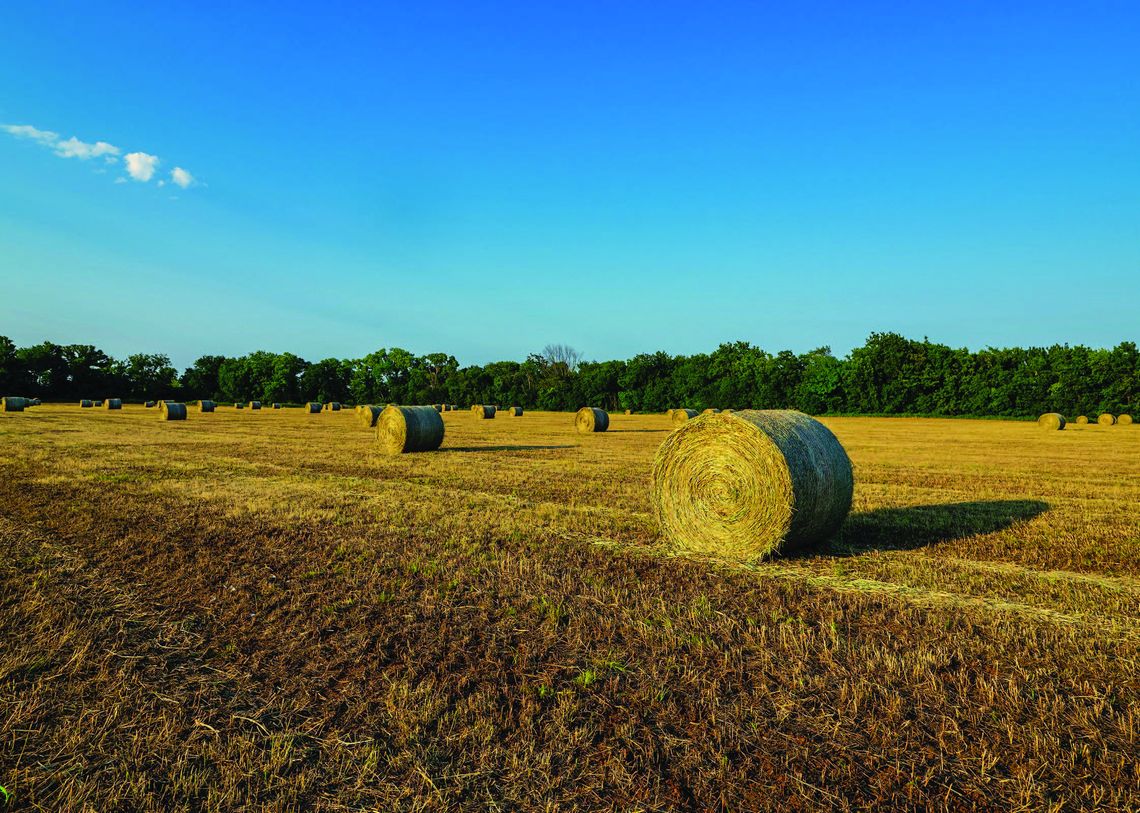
[(503, 448), (612, 431), (922, 525)]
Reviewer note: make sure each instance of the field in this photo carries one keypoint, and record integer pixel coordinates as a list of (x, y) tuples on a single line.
[(258, 611)]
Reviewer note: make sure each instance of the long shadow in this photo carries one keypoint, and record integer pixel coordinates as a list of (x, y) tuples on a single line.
[(613, 431), (503, 448), (923, 525)]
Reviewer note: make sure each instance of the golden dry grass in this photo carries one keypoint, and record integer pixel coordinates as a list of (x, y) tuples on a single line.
[(226, 613)]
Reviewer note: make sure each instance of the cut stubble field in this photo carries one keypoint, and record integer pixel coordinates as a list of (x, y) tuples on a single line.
[(261, 610)]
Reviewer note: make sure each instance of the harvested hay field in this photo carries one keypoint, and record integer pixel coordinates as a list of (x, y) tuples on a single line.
[(242, 615)]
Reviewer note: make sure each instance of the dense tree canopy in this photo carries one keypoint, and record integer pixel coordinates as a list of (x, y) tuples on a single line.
[(889, 374)]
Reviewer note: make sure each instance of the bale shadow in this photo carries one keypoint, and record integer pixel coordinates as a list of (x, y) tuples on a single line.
[(614, 431), (922, 525), (503, 448)]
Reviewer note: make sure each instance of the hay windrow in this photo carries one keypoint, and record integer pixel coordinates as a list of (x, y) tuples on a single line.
[(751, 484), (206, 406), (172, 411), (483, 411), (367, 414), (1051, 421), (113, 403), (1106, 419), (591, 419), (1124, 420), (680, 416), (409, 429)]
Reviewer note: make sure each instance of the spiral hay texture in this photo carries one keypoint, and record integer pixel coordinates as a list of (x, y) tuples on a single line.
[(1106, 419), (514, 412), (172, 412), (1124, 420), (751, 484), (680, 416), (1081, 420), (483, 411), (206, 406), (592, 419), (1051, 421), (12, 403), (113, 403), (368, 414), (409, 429)]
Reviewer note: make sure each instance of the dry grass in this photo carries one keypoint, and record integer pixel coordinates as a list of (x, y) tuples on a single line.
[(220, 614)]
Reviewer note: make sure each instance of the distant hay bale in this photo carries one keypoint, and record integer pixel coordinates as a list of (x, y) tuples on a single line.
[(239, 406), (206, 406), (38, 402), (401, 429), (1081, 420), (1124, 420), (751, 484), (727, 411), (1106, 419), (629, 412), (149, 404), (255, 404), (86, 403), (591, 419), (276, 405), (710, 411), (314, 407), (680, 416), (113, 403), (98, 403), (172, 412), (368, 415), (332, 406), (437, 407), (1051, 421), (483, 411), (12, 403), (514, 412)]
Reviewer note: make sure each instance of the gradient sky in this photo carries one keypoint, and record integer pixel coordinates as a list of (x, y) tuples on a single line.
[(486, 178)]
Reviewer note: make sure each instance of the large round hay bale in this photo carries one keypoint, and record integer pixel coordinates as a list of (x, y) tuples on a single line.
[(12, 403), (710, 411), (113, 403), (1081, 420), (1051, 421), (751, 484), (680, 416), (483, 411), (314, 407), (514, 412), (255, 404), (591, 419), (172, 412), (1124, 420), (86, 403), (206, 406), (401, 429), (1106, 419), (368, 415)]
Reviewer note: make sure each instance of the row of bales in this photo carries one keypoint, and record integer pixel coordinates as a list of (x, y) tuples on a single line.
[(1054, 421), (14, 403)]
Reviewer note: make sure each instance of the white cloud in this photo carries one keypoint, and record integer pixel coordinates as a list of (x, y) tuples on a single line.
[(74, 148), (141, 166), (120, 179), (181, 177), (28, 131)]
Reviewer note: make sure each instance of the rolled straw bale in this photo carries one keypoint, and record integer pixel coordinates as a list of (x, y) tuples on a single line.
[(276, 405), (206, 406), (1124, 420), (710, 411), (12, 403), (113, 403), (368, 415), (591, 419), (483, 411), (751, 484), (1081, 420), (314, 407), (86, 403), (333, 406), (98, 403), (38, 402), (514, 412), (255, 404), (1051, 421), (239, 406), (401, 429), (629, 412), (172, 412), (437, 407), (1106, 419), (679, 416), (149, 404)]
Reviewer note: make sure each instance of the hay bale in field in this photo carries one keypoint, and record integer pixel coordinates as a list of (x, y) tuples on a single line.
[(680, 416), (368, 415), (148, 404), (629, 412), (206, 406), (591, 419), (332, 406), (172, 411), (113, 403), (12, 403), (402, 429), (313, 407), (437, 407), (710, 411), (98, 403), (1106, 419), (1124, 420), (1051, 421), (38, 402), (239, 406), (255, 404), (483, 411), (727, 411), (1081, 420), (86, 403), (751, 484), (514, 412), (276, 405)]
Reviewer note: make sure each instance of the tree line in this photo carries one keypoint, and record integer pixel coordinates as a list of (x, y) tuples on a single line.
[(889, 375)]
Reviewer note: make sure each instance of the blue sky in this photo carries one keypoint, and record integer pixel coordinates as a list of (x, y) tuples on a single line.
[(486, 178)]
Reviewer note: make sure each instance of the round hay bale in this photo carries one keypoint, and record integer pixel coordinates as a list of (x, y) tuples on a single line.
[(206, 406), (113, 403), (333, 406), (255, 404), (368, 415), (409, 429), (591, 419), (483, 411), (710, 411), (239, 406), (680, 416), (149, 404), (314, 407), (12, 403), (172, 412), (35, 402), (514, 412), (751, 484), (629, 412), (1081, 420), (86, 403), (98, 403), (1051, 421), (1106, 419), (1124, 420), (437, 407), (276, 405), (727, 411)]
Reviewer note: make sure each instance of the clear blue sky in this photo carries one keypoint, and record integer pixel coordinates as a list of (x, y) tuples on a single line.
[(485, 178)]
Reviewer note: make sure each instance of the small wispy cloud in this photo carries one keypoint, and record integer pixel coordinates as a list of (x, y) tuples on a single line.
[(140, 166)]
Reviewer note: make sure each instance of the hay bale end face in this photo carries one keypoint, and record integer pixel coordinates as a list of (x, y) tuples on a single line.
[(1124, 420), (368, 415), (680, 416), (591, 419), (313, 407), (514, 412), (483, 411), (1106, 419), (400, 430), (113, 403), (86, 403), (12, 403), (206, 406), (751, 484), (1081, 420), (172, 412), (1051, 421)]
